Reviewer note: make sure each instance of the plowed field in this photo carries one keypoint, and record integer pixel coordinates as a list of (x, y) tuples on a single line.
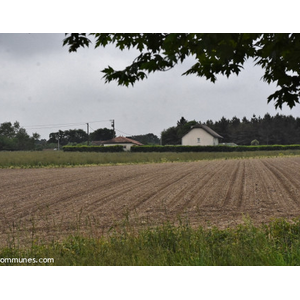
[(54, 202)]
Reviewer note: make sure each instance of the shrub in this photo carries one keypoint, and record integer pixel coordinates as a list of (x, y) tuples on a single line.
[(255, 143), (219, 148), (84, 148)]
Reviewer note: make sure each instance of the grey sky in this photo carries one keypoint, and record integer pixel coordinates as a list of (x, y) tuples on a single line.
[(42, 84)]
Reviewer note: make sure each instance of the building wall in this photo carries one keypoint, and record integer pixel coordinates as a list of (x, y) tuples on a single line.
[(199, 137), (126, 146)]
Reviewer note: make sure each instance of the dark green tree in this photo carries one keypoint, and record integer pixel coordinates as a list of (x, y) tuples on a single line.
[(14, 137), (146, 139), (24, 141), (169, 136), (68, 136), (277, 53), (102, 134), (173, 135), (9, 130), (75, 136)]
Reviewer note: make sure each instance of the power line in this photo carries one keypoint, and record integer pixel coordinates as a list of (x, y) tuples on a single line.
[(49, 126), (124, 132)]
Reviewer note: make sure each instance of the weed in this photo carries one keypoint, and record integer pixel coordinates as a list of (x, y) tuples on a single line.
[(168, 244)]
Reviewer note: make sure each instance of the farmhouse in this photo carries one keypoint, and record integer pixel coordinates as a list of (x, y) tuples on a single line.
[(127, 143), (201, 135)]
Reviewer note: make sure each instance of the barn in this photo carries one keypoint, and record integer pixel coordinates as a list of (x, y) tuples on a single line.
[(201, 135)]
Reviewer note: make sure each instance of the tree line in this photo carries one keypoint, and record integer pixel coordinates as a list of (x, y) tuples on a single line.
[(14, 137), (79, 136), (269, 130)]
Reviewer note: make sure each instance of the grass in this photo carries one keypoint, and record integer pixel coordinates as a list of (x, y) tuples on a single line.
[(42, 159), (276, 244)]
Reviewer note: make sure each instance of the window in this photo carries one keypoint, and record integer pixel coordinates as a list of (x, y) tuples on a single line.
[(198, 140)]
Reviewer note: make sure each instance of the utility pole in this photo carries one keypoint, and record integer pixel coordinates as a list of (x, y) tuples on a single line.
[(58, 141), (113, 126), (88, 132)]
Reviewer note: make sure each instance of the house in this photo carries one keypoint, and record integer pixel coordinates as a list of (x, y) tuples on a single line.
[(127, 143), (201, 135)]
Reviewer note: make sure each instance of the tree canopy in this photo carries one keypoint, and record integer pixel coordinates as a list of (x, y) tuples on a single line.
[(14, 137), (68, 136), (277, 53)]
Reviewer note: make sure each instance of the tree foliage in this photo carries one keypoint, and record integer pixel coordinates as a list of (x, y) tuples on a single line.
[(277, 54), (14, 137), (102, 134), (73, 136), (146, 139), (173, 135)]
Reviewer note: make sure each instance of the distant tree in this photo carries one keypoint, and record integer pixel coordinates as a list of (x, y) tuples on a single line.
[(23, 140), (181, 122), (53, 137), (222, 128), (68, 136), (173, 135), (36, 136), (6, 143), (146, 139), (221, 53), (75, 136), (169, 136), (268, 130), (8, 130), (14, 137), (254, 143), (102, 134)]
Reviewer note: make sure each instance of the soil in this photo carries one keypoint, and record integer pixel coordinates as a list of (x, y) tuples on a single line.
[(52, 203)]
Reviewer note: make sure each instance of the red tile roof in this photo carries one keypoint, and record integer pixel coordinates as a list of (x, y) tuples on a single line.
[(122, 140)]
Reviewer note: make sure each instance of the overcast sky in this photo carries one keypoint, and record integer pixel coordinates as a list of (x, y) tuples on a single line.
[(46, 88)]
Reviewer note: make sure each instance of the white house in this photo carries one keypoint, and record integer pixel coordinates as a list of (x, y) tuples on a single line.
[(127, 143), (201, 135)]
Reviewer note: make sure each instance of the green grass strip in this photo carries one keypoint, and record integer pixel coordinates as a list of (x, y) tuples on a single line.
[(276, 244), (50, 159)]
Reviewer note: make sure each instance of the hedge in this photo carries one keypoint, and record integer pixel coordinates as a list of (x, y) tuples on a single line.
[(219, 148), (84, 148)]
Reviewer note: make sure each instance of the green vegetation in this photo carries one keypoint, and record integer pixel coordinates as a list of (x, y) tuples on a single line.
[(39, 159), (219, 148), (84, 148), (14, 137), (214, 53), (276, 244)]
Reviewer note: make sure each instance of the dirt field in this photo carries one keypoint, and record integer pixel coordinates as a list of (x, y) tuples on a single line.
[(55, 202)]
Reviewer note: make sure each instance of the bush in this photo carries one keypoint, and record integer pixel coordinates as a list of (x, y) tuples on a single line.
[(219, 148), (84, 148), (255, 143)]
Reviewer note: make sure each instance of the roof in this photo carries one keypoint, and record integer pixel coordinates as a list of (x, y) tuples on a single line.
[(208, 130), (121, 140)]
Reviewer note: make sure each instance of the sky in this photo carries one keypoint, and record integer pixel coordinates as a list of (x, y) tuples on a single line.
[(45, 88)]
